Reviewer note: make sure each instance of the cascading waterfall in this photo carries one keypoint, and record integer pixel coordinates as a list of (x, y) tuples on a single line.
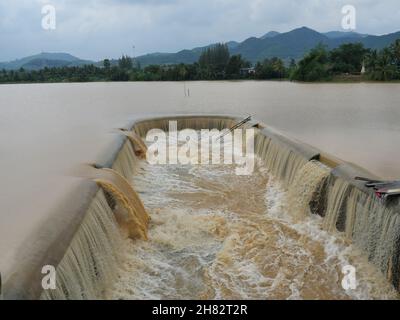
[(279, 159), (139, 146), (134, 218), (375, 228), (123, 163), (337, 196), (371, 225), (87, 267), (196, 123), (306, 187)]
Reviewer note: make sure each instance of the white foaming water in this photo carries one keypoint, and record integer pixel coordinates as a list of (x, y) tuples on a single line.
[(371, 284), (215, 235)]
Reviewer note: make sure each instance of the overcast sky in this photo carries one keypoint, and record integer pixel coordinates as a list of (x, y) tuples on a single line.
[(95, 29)]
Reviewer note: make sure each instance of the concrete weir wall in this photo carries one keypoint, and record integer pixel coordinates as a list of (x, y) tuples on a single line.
[(351, 209)]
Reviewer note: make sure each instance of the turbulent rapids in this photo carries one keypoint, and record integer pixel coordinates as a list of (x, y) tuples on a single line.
[(203, 232)]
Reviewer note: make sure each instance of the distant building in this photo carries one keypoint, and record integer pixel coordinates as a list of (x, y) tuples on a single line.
[(247, 71)]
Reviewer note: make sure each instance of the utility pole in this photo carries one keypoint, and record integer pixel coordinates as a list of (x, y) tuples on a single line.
[(133, 56)]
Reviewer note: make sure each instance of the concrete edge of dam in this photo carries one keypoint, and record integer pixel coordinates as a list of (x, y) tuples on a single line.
[(25, 283)]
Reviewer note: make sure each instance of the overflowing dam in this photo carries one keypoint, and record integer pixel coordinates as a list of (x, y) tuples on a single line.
[(53, 217), (173, 231)]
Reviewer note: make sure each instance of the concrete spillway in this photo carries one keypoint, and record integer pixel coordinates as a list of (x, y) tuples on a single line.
[(90, 255)]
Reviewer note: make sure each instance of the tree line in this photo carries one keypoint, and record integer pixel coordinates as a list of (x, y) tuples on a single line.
[(216, 63), (321, 64)]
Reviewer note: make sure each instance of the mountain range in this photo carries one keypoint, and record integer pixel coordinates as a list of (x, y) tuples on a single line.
[(44, 59), (289, 45)]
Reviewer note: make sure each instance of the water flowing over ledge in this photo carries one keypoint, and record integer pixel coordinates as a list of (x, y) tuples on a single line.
[(317, 183)]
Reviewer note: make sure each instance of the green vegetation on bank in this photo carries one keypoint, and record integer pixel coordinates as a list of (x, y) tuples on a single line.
[(352, 61), (349, 59)]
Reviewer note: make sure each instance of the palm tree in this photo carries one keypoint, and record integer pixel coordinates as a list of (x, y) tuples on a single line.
[(395, 49), (380, 66), (385, 68)]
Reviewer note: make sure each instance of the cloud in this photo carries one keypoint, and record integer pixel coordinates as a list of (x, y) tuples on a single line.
[(108, 28)]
